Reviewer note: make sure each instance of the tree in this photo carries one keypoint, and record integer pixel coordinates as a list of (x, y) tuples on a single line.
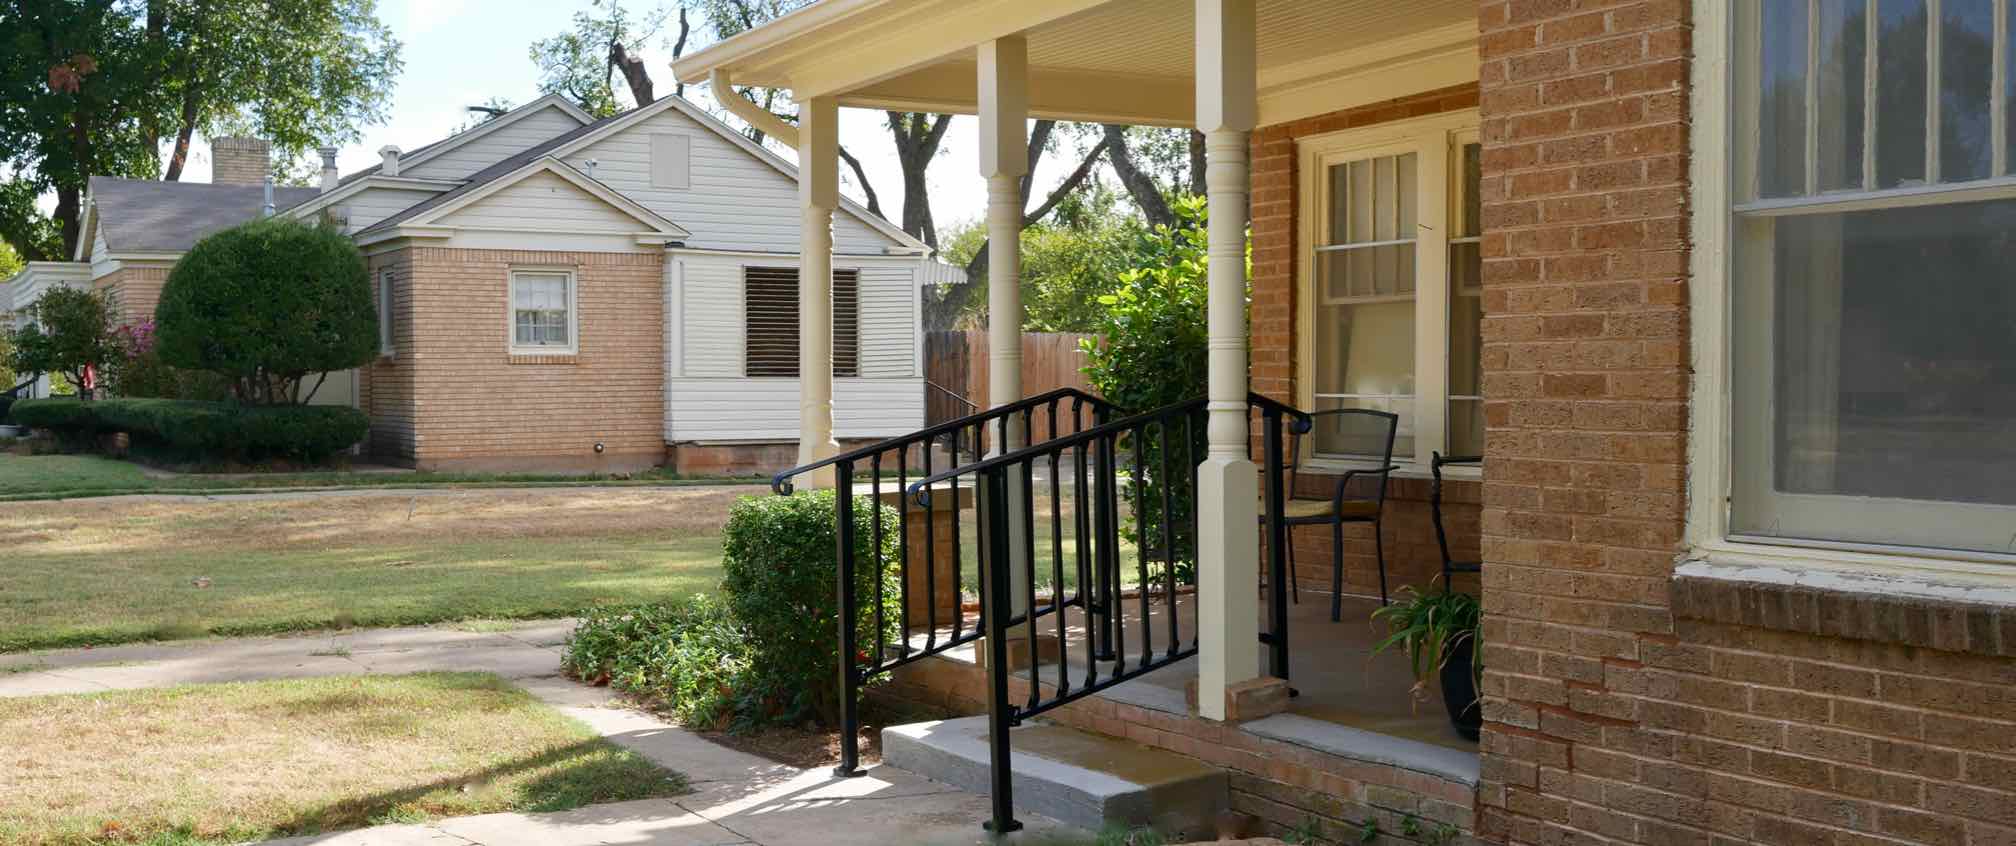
[(1139, 154), (69, 331), (583, 63), (95, 87), (265, 305), (1068, 262)]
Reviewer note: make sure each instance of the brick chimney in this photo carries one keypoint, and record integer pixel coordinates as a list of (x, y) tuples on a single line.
[(239, 161)]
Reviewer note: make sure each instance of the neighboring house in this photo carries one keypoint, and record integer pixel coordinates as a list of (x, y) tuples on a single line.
[(564, 293), (1720, 289), (27, 286)]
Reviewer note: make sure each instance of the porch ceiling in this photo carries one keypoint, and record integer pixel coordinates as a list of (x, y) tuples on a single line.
[(1110, 60)]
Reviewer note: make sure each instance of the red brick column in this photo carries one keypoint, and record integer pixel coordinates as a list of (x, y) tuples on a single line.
[(1584, 111)]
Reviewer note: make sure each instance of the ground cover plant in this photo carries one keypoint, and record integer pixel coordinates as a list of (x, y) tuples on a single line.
[(332, 754)]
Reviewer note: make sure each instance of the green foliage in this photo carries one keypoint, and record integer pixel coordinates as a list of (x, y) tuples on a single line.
[(779, 576), (1152, 352), (1067, 265), (1442, 834), (266, 305), (207, 430), (576, 63), (689, 655), (1430, 626), (101, 88), (136, 370), (68, 330)]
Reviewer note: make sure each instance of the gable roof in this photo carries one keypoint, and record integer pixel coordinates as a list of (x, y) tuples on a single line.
[(420, 155), (150, 216), (569, 142), (442, 205)]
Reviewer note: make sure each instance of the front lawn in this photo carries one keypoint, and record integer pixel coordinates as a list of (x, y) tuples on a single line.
[(214, 764), (98, 571), (31, 477)]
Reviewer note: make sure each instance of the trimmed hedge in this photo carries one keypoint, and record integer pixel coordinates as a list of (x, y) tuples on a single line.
[(212, 430)]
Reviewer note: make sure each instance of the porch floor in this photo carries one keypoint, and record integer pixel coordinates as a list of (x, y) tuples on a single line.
[(1350, 702)]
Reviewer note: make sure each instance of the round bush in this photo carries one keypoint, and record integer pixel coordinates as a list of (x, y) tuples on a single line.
[(781, 585), (266, 304)]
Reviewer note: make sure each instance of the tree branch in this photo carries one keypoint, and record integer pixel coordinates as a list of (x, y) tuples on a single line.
[(1147, 195), (632, 68), (861, 176), (678, 47)]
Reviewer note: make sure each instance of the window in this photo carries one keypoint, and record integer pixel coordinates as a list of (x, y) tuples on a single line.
[(1391, 276), (1872, 309), (770, 322), (542, 311), (385, 346)]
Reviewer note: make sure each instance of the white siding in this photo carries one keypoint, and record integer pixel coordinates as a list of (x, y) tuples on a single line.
[(544, 201), (734, 201), (708, 398), (496, 145), (767, 409), (371, 205)]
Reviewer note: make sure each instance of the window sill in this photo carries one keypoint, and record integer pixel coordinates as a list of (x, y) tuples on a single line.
[(517, 357), (1952, 613)]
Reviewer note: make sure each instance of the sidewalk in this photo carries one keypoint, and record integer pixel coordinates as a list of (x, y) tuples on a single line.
[(738, 798)]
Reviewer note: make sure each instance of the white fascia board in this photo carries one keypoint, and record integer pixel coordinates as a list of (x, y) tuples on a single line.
[(88, 231), (358, 186), (553, 101)]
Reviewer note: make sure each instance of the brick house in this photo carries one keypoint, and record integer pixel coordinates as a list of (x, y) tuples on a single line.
[(1710, 285), (562, 293)]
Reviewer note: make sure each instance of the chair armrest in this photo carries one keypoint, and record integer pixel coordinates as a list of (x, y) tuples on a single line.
[(1344, 481)]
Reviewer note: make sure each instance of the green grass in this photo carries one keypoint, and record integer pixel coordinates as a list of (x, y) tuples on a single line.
[(206, 765), (81, 598), (32, 477)]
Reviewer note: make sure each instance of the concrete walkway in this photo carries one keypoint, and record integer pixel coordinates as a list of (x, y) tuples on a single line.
[(738, 798)]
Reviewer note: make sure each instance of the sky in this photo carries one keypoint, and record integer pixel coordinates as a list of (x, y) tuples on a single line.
[(460, 53)]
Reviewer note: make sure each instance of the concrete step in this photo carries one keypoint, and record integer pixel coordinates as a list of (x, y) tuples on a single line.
[(1083, 779)]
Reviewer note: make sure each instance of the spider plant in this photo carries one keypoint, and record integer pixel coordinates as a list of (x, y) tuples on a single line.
[(1433, 627)]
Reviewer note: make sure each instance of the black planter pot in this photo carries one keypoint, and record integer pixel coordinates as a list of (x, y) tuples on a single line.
[(1459, 690)]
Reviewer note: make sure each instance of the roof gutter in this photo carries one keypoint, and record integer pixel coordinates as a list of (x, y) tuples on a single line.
[(757, 116)]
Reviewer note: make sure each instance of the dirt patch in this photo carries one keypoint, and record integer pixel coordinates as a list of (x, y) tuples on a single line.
[(802, 747)]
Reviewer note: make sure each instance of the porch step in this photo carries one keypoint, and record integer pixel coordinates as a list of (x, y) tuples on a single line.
[(1088, 780)]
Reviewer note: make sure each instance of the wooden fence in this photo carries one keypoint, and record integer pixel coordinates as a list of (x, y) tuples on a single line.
[(956, 362)]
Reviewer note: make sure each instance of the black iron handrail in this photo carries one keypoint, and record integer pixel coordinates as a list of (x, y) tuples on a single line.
[(1005, 487), (963, 439)]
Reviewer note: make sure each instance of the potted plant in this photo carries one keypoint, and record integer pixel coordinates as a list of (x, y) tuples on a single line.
[(1440, 632)]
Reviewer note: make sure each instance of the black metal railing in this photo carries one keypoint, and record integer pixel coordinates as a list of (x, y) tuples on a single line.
[(17, 391), (942, 404), (939, 622), (1144, 468)]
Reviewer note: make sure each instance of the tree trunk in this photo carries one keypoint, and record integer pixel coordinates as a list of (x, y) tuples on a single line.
[(632, 68), (1147, 195), (180, 157), (918, 137), (678, 48), (1197, 164), (68, 212)]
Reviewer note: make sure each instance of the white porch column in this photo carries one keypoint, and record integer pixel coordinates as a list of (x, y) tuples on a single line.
[(818, 195), (1004, 159), (1228, 613)]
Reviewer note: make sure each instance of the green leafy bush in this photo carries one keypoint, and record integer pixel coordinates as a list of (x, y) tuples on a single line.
[(1152, 351), (68, 331), (136, 370), (207, 430), (780, 582), (266, 305), (688, 655)]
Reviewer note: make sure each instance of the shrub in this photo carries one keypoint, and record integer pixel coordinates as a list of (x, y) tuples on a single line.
[(266, 305), (135, 369), (208, 430), (688, 655), (780, 583), (68, 332), (1154, 351)]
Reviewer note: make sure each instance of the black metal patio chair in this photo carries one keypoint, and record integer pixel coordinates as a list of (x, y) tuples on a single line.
[(1359, 495), (1450, 565)]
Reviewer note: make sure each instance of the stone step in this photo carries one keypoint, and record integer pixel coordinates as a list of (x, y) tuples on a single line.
[(1083, 779)]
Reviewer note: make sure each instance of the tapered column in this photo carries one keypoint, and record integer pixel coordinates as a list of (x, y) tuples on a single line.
[(1228, 613), (818, 196), (1004, 159)]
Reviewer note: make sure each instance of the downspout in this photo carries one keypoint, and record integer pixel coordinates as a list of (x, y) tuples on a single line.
[(757, 116)]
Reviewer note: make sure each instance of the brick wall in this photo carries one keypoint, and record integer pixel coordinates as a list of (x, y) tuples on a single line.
[(385, 389), (454, 397), (1411, 554), (132, 291)]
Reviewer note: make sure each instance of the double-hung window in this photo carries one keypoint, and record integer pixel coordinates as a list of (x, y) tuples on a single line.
[(1392, 306), (1871, 285), (542, 311)]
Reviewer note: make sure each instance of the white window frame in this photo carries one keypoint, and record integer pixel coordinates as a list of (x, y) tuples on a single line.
[(387, 340), (573, 344), (1436, 142), (1711, 474)]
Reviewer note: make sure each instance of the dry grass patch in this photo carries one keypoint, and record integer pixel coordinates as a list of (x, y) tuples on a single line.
[(104, 571), (232, 762)]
